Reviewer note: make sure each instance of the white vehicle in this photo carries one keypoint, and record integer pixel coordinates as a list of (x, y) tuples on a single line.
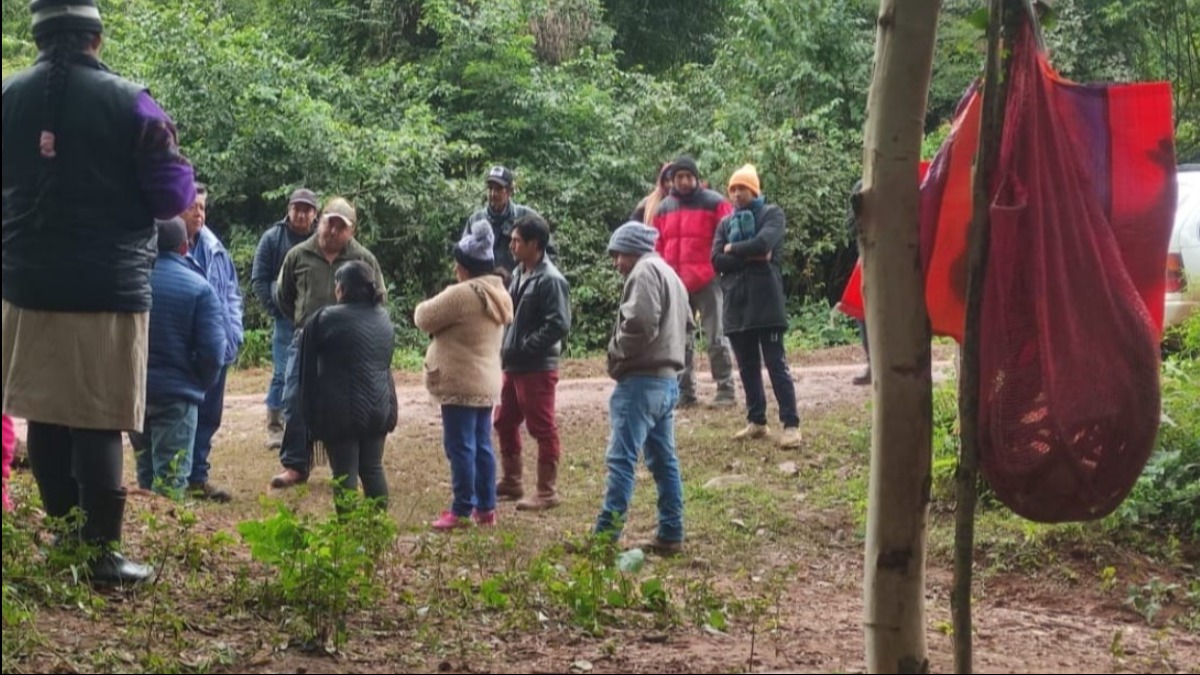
[(1183, 253)]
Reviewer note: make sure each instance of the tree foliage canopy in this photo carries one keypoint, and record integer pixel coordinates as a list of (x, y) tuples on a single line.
[(401, 105)]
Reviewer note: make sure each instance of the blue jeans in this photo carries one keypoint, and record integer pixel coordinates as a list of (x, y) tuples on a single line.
[(208, 420), (294, 452), (281, 345), (467, 437), (163, 449), (752, 347), (642, 414)]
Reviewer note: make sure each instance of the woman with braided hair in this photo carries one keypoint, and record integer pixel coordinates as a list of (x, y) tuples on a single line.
[(90, 160)]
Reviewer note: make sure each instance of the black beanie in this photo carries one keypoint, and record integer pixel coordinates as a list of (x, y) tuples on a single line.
[(57, 16), (685, 163)]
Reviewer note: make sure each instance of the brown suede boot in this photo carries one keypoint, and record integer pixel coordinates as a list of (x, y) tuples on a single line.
[(509, 487), (547, 494)]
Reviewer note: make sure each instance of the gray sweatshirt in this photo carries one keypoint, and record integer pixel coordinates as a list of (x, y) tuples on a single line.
[(653, 322)]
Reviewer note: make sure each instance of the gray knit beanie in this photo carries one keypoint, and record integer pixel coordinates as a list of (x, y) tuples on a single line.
[(633, 237), (474, 250)]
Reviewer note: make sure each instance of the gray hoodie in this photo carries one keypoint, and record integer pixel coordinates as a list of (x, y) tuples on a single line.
[(653, 322)]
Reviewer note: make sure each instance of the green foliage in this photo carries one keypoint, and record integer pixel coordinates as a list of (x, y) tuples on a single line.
[(1167, 494), (401, 106), (256, 350), (659, 36), (1152, 597), (593, 588), (37, 576), (816, 326), (947, 441), (326, 568)]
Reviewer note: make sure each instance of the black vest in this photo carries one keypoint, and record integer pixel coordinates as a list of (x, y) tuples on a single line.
[(88, 244)]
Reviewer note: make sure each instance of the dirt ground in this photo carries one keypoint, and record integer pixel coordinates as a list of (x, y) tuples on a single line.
[(1045, 622)]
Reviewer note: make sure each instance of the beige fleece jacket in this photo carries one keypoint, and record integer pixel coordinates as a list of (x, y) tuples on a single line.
[(466, 322)]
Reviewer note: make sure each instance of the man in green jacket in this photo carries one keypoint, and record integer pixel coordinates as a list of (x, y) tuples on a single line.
[(305, 285)]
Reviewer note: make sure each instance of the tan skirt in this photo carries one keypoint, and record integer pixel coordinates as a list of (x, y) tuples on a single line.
[(80, 370)]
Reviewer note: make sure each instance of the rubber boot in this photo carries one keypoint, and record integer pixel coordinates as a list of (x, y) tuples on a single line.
[(105, 509), (546, 496), (510, 487)]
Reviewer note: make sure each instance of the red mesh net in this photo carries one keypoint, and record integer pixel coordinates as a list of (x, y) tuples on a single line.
[(1069, 382), (1073, 299)]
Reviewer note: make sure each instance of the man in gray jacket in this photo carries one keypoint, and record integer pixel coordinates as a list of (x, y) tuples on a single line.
[(530, 351), (273, 247), (645, 356)]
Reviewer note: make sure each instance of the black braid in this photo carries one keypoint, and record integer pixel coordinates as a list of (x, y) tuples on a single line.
[(58, 48)]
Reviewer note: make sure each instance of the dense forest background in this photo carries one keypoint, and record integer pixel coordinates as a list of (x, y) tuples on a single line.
[(402, 105)]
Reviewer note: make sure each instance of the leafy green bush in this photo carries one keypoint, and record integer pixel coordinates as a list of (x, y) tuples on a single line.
[(1167, 495), (815, 326), (326, 568), (36, 575)]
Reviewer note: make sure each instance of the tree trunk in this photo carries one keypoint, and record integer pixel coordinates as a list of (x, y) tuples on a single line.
[(894, 287), (1002, 25)]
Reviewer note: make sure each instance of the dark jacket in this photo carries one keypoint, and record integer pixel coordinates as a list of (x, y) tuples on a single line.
[(187, 333), (272, 248), (851, 217), (541, 319), (753, 285), (345, 372), (86, 243), (502, 227)]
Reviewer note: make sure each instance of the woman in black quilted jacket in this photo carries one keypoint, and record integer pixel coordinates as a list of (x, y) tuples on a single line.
[(346, 382)]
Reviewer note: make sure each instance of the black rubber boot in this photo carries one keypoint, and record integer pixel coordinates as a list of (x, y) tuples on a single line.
[(105, 510)]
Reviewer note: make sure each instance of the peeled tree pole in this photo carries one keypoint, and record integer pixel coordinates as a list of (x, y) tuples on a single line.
[(894, 288)]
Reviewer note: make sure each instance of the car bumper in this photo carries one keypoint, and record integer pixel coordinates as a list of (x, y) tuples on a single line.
[(1179, 308)]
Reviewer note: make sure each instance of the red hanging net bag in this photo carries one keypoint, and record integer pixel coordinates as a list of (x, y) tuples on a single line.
[(1073, 295)]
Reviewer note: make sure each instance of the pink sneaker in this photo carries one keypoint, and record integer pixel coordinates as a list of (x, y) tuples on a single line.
[(484, 518), (448, 521)]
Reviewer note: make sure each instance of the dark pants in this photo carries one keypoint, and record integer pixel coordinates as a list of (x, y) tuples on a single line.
[(208, 420), (467, 437), (79, 468), (752, 348), (354, 458), (295, 452), (529, 398), (862, 331)]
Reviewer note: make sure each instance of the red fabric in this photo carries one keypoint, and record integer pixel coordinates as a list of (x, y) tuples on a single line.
[(1083, 198), (1069, 350), (528, 398), (946, 212), (852, 303), (685, 235)]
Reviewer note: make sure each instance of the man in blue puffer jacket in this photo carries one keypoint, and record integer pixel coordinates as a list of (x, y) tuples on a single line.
[(187, 354)]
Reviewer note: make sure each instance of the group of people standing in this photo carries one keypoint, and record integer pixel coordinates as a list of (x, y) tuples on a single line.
[(122, 312)]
